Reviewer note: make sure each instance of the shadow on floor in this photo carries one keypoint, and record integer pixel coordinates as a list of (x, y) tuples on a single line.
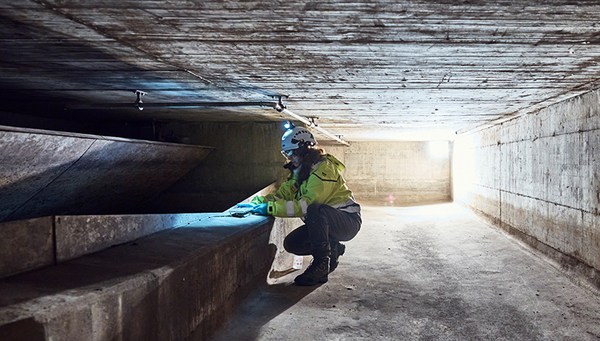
[(261, 306)]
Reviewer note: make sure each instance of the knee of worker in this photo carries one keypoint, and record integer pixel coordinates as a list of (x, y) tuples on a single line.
[(314, 211), (290, 245)]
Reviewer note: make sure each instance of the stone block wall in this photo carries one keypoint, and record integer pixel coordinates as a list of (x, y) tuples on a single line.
[(538, 176)]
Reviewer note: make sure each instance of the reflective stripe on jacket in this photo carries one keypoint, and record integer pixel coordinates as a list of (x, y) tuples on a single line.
[(325, 185)]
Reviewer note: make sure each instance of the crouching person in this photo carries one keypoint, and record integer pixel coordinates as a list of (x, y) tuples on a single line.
[(317, 192)]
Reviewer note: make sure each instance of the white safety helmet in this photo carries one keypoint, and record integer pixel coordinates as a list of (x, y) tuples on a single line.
[(295, 138)]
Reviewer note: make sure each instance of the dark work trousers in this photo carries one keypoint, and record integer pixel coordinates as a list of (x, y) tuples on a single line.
[(323, 224)]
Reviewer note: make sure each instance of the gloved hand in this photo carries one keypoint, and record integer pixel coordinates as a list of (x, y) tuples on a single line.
[(245, 205), (260, 209)]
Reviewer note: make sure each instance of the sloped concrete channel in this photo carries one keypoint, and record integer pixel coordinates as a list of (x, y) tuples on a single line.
[(46, 173), (426, 273), (177, 284)]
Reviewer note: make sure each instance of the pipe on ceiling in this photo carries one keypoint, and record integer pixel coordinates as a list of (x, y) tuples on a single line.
[(312, 125), (141, 105), (275, 105)]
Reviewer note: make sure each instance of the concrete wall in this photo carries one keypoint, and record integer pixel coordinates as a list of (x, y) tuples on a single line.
[(538, 177), (396, 173), (47, 173), (247, 159)]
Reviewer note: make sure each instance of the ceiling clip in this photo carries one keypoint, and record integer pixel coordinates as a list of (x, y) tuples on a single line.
[(280, 107), (138, 100)]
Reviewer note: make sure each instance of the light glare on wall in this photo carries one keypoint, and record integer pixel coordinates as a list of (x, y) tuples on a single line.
[(464, 168), (438, 149)]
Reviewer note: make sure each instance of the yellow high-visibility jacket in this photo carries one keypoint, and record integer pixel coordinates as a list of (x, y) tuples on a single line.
[(325, 185)]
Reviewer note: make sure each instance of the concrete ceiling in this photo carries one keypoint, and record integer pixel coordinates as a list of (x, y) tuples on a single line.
[(398, 70)]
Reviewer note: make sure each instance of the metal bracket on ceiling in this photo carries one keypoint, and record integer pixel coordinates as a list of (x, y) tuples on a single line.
[(310, 121), (138, 100), (280, 107)]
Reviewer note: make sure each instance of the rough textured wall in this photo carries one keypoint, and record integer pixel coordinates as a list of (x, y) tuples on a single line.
[(247, 158), (47, 173), (178, 284), (538, 176), (403, 172)]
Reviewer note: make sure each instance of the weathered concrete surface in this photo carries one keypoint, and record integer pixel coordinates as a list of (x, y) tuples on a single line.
[(247, 159), (30, 161), (34, 243), (426, 273), (538, 177), (178, 284), (26, 244), (368, 70), (396, 173), (49, 173), (282, 260), (80, 235)]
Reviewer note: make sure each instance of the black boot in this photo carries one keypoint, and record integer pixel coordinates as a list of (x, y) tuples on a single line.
[(316, 273), (336, 250)]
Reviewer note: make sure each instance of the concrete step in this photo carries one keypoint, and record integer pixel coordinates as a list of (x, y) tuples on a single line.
[(35, 243), (177, 284)]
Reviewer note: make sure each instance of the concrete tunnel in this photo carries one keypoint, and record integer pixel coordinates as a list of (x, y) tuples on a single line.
[(128, 132)]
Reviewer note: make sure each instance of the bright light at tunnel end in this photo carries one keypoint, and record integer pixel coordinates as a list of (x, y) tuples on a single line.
[(438, 149)]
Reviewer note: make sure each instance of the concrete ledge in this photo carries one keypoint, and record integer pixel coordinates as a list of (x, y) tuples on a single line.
[(31, 244), (80, 235), (26, 245), (34, 243), (178, 284)]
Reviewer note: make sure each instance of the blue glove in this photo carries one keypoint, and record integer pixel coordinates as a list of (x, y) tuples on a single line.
[(245, 205), (260, 209)]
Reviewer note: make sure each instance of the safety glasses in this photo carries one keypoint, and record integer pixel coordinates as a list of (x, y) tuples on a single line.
[(287, 153)]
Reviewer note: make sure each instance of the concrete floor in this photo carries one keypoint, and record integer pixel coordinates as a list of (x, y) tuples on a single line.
[(426, 273)]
